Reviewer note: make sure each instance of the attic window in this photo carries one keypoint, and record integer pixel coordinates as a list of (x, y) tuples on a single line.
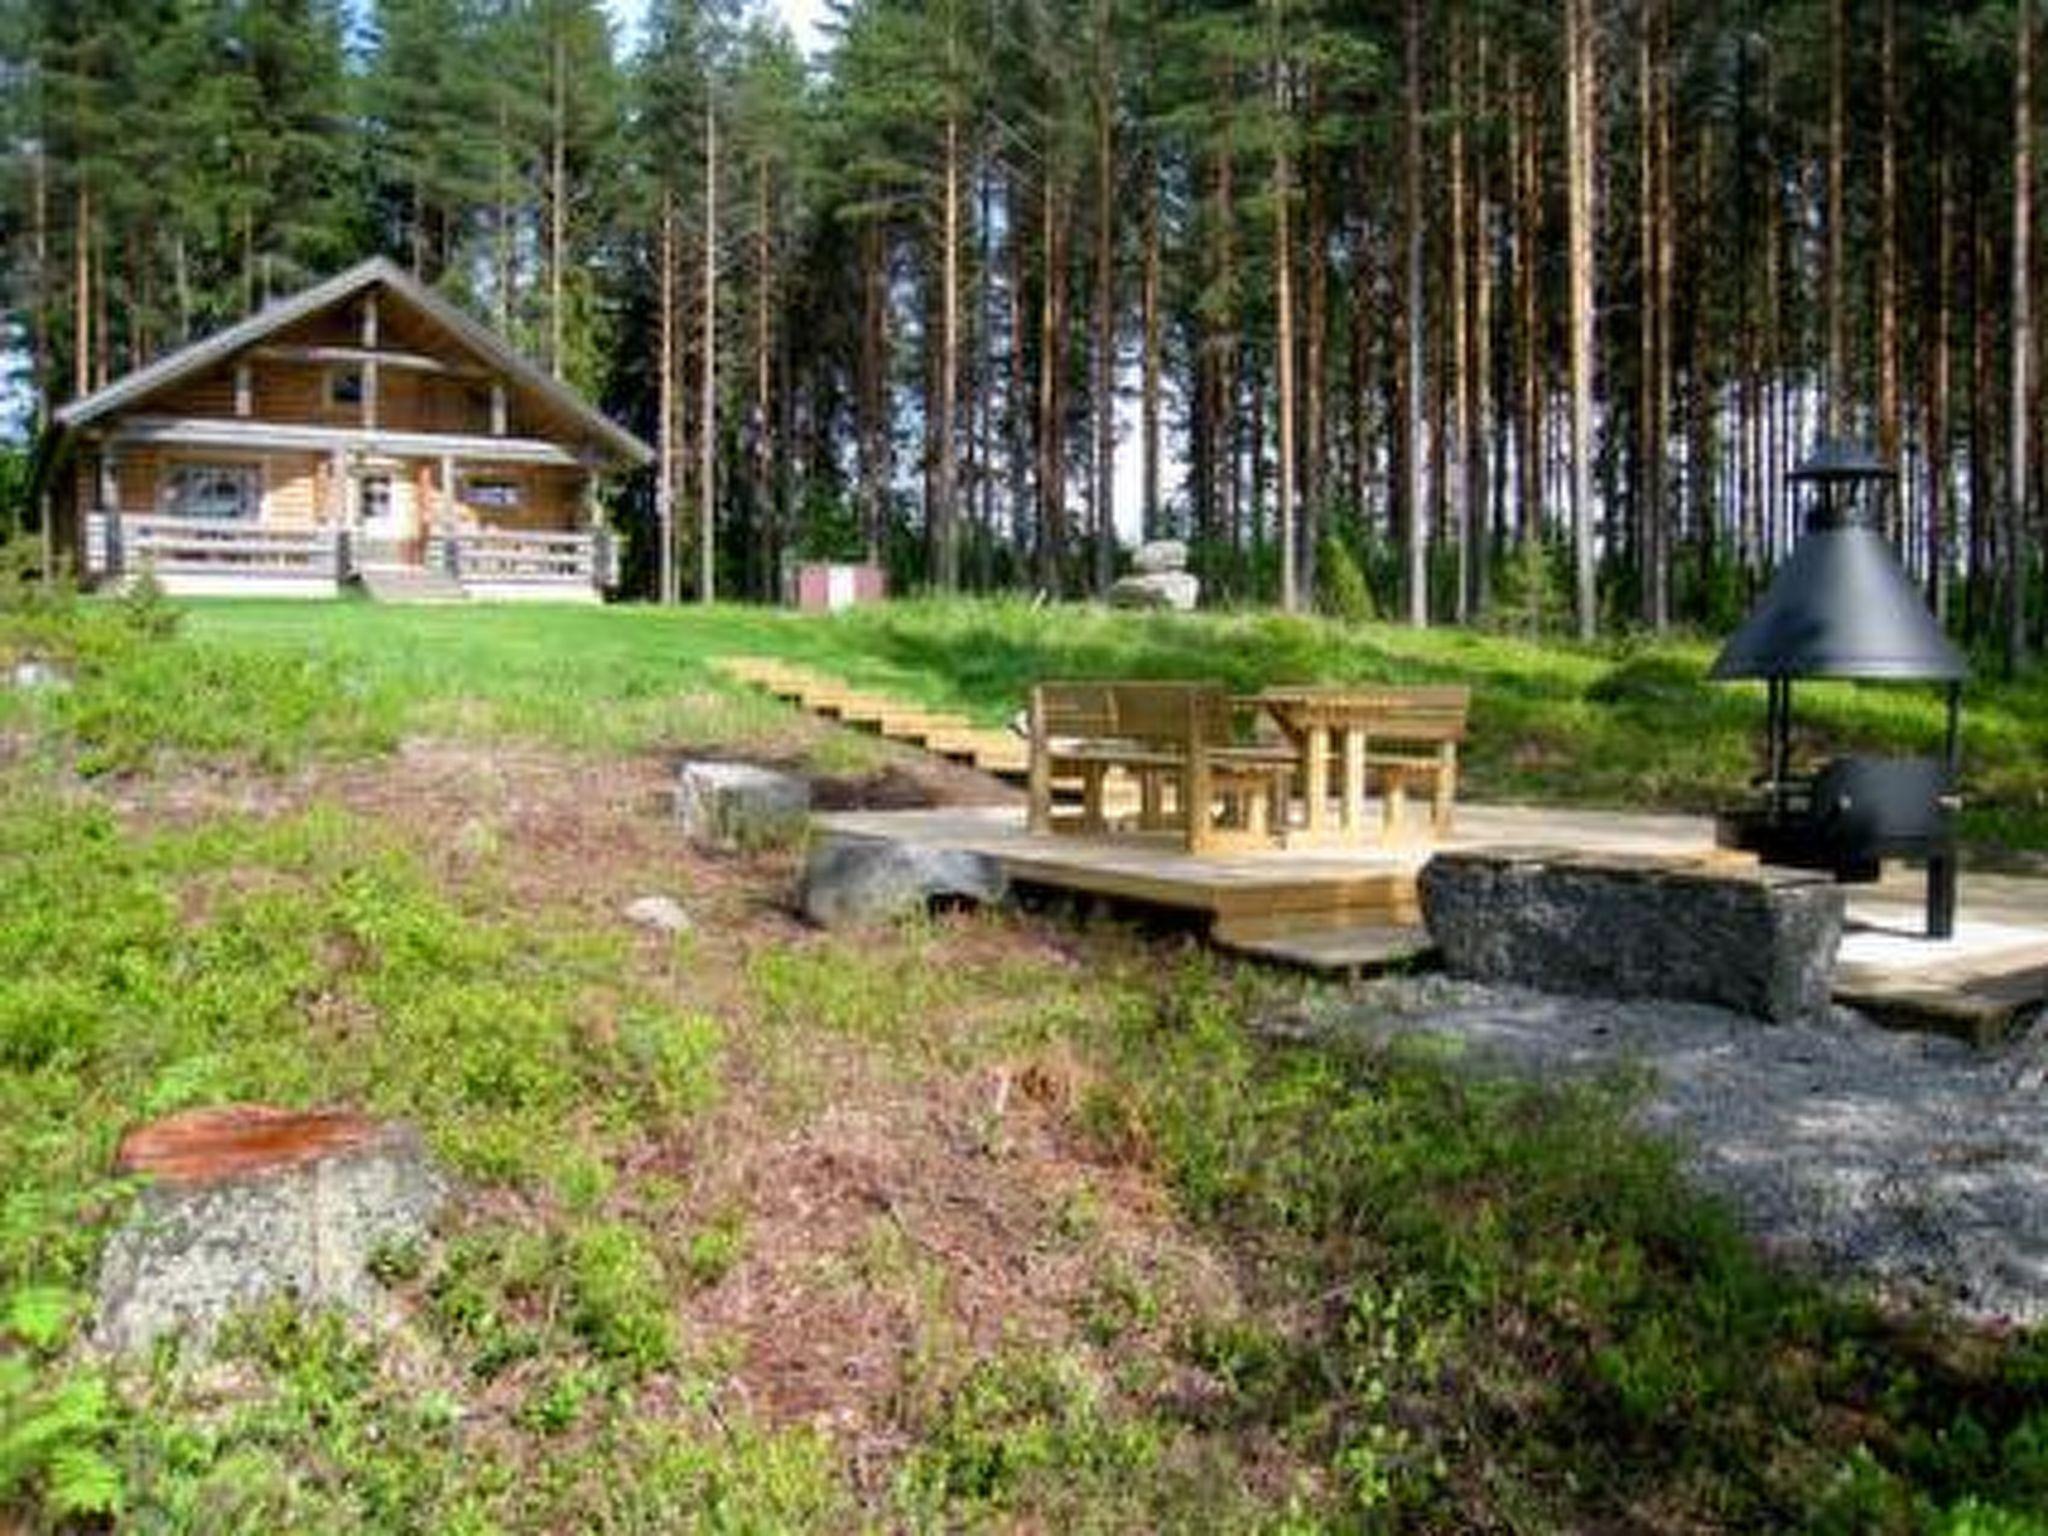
[(345, 386)]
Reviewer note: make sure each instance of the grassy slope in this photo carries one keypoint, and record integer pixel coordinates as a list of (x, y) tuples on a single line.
[(1277, 1286), (1612, 725)]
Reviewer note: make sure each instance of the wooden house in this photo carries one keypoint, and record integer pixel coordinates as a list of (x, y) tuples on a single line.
[(366, 430)]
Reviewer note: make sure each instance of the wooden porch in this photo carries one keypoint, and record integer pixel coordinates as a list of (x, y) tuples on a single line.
[(203, 557)]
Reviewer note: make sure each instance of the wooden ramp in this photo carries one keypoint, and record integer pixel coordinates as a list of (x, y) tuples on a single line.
[(944, 734), (1347, 911)]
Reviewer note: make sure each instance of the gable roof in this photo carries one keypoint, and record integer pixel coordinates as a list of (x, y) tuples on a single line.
[(479, 338)]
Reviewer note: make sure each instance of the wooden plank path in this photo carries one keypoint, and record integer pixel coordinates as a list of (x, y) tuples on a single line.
[(942, 733), (1353, 911)]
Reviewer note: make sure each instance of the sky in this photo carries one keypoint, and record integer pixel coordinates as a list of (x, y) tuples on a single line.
[(804, 18)]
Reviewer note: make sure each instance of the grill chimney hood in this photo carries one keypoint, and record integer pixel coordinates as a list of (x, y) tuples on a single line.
[(1841, 606)]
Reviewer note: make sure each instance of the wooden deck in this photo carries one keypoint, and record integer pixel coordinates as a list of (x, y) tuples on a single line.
[(1348, 911), (1991, 975), (1262, 899)]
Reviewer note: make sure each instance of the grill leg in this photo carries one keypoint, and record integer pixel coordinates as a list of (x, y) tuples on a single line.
[(1941, 896)]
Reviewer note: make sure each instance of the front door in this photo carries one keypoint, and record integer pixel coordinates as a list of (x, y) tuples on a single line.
[(387, 519)]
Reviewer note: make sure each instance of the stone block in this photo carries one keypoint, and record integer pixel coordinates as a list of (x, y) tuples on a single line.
[(1757, 940), (659, 914), (34, 675), (1159, 557), (1175, 590), (854, 881), (741, 806)]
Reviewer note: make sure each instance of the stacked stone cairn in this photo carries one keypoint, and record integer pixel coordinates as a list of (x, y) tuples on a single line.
[(1161, 580)]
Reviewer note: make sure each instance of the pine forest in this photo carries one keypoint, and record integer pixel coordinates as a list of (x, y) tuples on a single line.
[(1489, 312)]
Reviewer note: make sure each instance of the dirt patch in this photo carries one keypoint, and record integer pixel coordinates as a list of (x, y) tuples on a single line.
[(906, 1223), (898, 1238)]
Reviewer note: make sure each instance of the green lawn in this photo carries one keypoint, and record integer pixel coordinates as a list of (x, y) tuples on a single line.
[(994, 1222)]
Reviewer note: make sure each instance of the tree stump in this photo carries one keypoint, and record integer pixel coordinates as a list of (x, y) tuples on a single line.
[(248, 1203)]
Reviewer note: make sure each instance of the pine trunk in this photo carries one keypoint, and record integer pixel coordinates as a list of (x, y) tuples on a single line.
[(946, 509), (1837, 316), (1888, 367), (763, 425), (81, 291), (1482, 471), (1016, 389), (1458, 448), (1940, 383), (2016, 448), (1283, 340), (666, 404), (1414, 317), (1052, 478), (41, 385), (1581, 145), (1529, 455), (1315, 429), (707, 424), (558, 202), (1149, 407), (1105, 305)]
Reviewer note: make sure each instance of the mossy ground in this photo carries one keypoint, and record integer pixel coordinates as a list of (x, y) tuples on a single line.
[(995, 1221)]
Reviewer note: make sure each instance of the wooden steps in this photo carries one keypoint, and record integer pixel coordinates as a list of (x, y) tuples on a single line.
[(943, 734), (411, 584)]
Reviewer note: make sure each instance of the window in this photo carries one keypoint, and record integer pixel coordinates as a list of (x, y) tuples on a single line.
[(493, 491), (345, 386), (376, 497), (220, 491)]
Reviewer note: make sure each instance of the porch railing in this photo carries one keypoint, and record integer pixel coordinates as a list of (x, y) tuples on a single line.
[(517, 556), (120, 544)]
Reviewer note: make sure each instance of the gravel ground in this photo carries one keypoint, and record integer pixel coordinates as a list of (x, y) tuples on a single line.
[(1912, 1164)]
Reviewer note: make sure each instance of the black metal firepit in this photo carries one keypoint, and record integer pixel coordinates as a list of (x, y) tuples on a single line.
[(1842, 607)]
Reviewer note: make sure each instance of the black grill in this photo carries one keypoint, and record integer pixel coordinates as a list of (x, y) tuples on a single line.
[(1842, 607), (1854, 814)]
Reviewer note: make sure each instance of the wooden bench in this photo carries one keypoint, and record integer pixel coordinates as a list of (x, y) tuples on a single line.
[(1177, 740), (1413, 739)]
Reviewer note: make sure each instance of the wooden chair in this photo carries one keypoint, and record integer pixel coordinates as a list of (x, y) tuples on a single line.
[(1176, 740)]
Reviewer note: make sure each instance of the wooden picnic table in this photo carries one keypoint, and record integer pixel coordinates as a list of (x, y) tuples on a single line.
[(1325, 721)]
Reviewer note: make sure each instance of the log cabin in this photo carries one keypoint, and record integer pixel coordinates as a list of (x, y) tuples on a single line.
[(364, 431)]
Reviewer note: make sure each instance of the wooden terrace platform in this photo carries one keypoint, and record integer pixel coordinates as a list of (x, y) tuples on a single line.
[(1262, 900), (1352, 910)]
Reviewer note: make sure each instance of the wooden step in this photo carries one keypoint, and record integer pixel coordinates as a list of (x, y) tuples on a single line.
[(986, 752), (921, 728), (1354, 949), (411, 584)]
